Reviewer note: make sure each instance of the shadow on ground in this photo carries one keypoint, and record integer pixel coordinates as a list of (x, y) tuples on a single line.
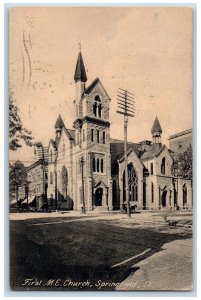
[(78, 251)]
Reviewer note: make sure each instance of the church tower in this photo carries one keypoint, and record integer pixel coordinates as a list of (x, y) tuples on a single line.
[(92, 142), (156, 132)]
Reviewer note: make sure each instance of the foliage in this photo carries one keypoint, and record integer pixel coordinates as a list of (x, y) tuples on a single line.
[(17, 132), (184, 163), (17, 176)]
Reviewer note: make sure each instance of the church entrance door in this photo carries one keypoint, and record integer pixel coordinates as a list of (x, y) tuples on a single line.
[(164, 194), (98, 197)]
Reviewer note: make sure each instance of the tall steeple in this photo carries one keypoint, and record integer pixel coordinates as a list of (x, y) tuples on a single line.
[(80, 78), (156, 131), (80, 73)]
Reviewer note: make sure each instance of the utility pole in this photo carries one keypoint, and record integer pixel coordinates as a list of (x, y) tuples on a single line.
[(126, 108), (82, 175)]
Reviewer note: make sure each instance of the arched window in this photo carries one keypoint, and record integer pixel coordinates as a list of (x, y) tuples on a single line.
[(64, 150), (92, 135), (51, 178), (103, 137), (83, 135), (151, 169), (94, 164), (152, 192), (98, 136), (163, 166), (184, 194), (101, 165), (97, 165)]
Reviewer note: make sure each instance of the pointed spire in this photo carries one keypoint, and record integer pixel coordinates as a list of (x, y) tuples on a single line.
[(59, 123), (80, 73), (156, 128)]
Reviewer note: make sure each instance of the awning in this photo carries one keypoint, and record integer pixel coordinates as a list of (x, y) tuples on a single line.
[(30, 200)]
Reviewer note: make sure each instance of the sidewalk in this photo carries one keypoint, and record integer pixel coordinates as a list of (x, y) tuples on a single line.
[(170, 268)]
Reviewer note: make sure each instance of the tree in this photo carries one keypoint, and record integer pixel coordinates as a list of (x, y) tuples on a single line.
[(17, 176), (17, 132), (185, 163)]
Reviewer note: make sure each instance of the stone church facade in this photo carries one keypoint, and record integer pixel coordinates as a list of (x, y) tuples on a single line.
[(87, 162)]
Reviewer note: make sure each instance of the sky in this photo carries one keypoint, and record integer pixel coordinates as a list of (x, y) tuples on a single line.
[(147, 51)]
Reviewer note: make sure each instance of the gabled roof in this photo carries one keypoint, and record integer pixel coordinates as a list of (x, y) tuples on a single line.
[(53, 143), (70, 133), (93, 85), (80, 73), (156, 128), (155, 151), (59, 123), (117, 149)]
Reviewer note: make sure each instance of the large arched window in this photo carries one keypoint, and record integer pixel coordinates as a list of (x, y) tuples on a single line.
[(64, 181), (163, 166), (132, 184)]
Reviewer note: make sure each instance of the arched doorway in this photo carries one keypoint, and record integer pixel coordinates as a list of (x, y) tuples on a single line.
[(132, 184), (184, 195), (98, 197), (163, 199)]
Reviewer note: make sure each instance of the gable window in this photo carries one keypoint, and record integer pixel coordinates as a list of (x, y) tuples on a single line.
[(163, 166), (97, 136), (103, 137), (92, 135), (151, 169), (97, 107), (99, 110)]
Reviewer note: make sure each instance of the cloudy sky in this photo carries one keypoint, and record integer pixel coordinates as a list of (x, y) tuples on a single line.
[(144, 50)]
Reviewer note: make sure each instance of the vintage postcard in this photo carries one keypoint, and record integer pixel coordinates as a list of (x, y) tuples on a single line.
[(100, 139)]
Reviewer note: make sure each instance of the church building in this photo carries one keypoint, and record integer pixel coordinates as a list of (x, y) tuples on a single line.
[(86, 166)]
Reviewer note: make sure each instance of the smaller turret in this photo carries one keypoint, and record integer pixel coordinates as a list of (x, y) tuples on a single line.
[(58, 126), (156, 131)]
